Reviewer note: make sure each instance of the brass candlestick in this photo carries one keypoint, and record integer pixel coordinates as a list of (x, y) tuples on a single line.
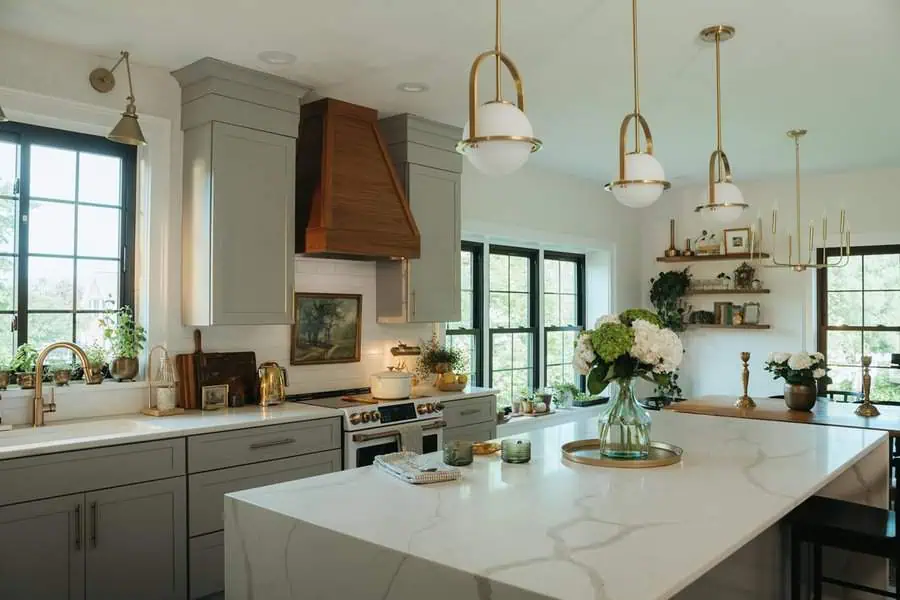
[(687, 248), (867, 409), (672, 250), (745, 401)]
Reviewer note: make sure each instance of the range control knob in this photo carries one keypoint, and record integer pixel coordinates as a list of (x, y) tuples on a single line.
[(438, 406), (429, 407), (376, 416), (366, 417), (422, 409), (355, 419)]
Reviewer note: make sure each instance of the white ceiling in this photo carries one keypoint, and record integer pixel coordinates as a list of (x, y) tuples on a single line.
[(828, 66)]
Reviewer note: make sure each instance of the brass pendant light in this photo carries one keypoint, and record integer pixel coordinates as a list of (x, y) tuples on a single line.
[(843, 239), (641, 179), (725, 203), (498, 136), (127, 130)]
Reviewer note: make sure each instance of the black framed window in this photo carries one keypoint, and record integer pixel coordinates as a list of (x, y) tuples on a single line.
[(465, 334), (859, 314), (564, 315), (513, 276), (67, 204)]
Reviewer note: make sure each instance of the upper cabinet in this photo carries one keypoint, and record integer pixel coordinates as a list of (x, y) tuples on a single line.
[(424, 289), (240, 130)]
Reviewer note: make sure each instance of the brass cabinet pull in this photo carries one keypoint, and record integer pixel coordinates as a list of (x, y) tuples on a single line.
[(471, 411), (281, 442), (414, 303), (78, 525), (93, 524)]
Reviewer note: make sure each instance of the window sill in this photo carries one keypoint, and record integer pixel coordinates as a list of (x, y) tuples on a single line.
[(74, 388)]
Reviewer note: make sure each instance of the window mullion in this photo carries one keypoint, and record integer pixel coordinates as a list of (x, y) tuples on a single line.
[(22, 227)]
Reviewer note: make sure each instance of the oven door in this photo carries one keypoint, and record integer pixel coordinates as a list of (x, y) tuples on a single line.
[(361, 448)]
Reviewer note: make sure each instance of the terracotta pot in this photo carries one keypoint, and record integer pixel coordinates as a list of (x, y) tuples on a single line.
[(124, 369), (26, 380), (4, 380), (61, 377), (799, 396)]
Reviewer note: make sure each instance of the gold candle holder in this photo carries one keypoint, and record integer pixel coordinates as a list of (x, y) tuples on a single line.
[(745, 401), (672, 250), (867, 409), (687, 248)]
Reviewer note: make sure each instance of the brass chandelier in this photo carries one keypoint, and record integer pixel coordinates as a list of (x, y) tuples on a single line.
[(641, 179), (843, 238), (498, 137), (725, 203)]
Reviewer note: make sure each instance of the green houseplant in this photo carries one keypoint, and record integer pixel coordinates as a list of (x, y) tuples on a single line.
[(23, 363), (801, 372), (126, 339), (96, 356), (60, 371), (666, 291), (5, 371)]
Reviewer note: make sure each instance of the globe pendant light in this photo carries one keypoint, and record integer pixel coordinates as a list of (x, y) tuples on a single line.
[(497, 138), (641, 179), (724, 201)]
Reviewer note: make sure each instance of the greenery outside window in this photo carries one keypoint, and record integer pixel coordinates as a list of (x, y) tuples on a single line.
[(564, 315), (465, 334)]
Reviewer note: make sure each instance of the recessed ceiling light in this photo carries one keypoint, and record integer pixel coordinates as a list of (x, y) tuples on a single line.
[(277, 57), (413, 87)]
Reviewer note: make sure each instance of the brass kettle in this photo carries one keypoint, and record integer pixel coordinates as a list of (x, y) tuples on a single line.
[(272, 381)]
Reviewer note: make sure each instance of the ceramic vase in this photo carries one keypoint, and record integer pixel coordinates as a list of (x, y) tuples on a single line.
[(624, 429)]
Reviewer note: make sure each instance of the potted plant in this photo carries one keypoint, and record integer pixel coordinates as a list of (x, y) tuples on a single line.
[(667, 391), (5, 372), (22, 365), (96, 356), (437, 359), (801, 372), (127, 340), (666, 292), (564, 394), (60, 371)]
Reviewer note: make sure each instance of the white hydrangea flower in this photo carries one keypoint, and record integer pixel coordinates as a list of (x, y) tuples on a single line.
[(779, 357), (819, 373), (606, 319), (660, 348), (818, 356), (800, 360), (584, 356)]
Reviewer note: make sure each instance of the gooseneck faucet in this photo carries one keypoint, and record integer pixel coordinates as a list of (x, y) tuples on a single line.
[(39, 407)]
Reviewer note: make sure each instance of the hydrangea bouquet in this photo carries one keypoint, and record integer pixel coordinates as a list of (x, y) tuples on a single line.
[(620, 349), (798, 368)]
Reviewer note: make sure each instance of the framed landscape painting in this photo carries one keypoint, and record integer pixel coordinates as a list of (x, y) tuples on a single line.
[(327, 328)]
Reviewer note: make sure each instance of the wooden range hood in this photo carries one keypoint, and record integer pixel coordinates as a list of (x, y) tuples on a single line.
[(350, 202)]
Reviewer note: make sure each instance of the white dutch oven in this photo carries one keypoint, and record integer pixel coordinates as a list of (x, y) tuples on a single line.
[(391, 385)]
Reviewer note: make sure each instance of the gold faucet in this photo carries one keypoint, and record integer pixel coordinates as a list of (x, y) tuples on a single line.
[(39, 407)]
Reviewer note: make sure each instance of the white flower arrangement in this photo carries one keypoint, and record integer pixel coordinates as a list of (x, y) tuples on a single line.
[(798, 367)]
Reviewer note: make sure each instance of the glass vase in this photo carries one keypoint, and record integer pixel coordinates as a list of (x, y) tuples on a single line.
[(624, 429)]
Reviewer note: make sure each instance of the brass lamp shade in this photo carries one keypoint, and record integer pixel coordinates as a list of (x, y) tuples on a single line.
[(3, 118), (128, 130)]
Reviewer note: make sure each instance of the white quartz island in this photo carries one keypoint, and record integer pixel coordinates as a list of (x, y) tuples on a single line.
[(552, 529)]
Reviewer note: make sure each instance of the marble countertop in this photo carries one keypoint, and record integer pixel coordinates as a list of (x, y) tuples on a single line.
[(553, 529)]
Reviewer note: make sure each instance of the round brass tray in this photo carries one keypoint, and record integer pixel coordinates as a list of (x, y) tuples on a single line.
[(587, 452), (485, 448)]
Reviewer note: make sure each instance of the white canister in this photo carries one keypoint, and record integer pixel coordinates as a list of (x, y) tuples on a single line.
[(391, 385)]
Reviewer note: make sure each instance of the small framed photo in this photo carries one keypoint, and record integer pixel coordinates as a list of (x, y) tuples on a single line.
[(737, 241), (214, 397), (751, 313)]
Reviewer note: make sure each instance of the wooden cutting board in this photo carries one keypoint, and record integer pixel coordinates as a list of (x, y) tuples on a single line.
[(186, 365)]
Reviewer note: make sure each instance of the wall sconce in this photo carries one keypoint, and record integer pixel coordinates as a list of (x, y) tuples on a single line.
[(127, 130)]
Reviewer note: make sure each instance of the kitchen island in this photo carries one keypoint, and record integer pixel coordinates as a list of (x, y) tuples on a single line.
[(706, 528)]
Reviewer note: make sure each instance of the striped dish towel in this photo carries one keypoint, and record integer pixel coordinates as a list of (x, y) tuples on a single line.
[(408, 467)]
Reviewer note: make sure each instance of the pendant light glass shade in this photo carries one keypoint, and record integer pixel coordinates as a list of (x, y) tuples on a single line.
[(728, 207), (498, 138)]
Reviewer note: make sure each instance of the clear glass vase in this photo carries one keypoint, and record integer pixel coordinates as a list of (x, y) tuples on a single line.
[(624, 429)]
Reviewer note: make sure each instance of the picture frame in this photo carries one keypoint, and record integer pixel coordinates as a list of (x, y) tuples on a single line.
[(214, 397), (722, 312), (751, 313), (327, 328), (737, 241)]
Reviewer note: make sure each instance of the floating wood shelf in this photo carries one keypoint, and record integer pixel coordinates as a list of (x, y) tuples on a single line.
[(721, 326), (724, 291), (710, 257)]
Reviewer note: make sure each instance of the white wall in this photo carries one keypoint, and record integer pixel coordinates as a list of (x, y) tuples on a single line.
[(712, 363)]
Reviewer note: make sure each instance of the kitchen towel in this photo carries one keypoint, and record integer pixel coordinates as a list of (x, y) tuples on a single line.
[(411, 438), (412, 468)]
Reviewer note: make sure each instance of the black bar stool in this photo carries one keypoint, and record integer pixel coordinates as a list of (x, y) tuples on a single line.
[(849, 526)]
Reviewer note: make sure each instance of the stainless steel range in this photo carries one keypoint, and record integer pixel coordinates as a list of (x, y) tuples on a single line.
[(372, 427)]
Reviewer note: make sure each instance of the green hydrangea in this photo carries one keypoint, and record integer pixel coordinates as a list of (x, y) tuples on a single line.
[(633, 314), (612, 340)]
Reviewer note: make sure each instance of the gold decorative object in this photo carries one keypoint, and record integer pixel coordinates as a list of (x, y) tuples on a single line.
[(127, 130), (867, 409), (720, 179), (587, 452), (672, 250), (163, 386), (640, 179), (843, 237), (506, 123), (745, 401), (687, 248), (485, 448)]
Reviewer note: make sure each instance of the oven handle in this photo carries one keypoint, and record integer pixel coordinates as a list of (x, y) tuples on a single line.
[(366, 437)]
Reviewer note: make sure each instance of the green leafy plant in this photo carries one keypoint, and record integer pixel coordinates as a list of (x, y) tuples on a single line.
[(666, 292), (23, 361), (96, 355), (667, 385), (59, 365), (564, 394), (124, 335), (434, 354)]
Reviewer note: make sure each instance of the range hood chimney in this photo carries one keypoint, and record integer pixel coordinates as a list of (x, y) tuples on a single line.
[(350, 202)]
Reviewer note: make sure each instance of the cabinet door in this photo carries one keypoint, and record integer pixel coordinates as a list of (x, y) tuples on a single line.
[(480, 432), (433, 279), (252, 227), (136, 542), (41, 549)]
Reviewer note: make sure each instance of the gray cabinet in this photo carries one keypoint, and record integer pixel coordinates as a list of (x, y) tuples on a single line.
[(479, 432), (426, 289), (137, 542), (42, 549), (471, 419)]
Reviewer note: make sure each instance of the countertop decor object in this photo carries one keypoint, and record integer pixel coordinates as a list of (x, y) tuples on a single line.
[(867, 409), (327, 328), (672, 250), (485, 448), (127, 130), (640, 179), (458, 453), (745, 401), (273, 380), (214, 397), (162, 388), (127, 339), (498, 137), (801, 373), (437, 359), (725, 203), (515, 451), (391, 384), (589, 452), (410, 467)]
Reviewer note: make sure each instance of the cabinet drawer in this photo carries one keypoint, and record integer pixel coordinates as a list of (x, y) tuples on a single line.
[(459, 413), (207, 565), (258, 444), (207, 490), (479, 432), (35, 477)]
